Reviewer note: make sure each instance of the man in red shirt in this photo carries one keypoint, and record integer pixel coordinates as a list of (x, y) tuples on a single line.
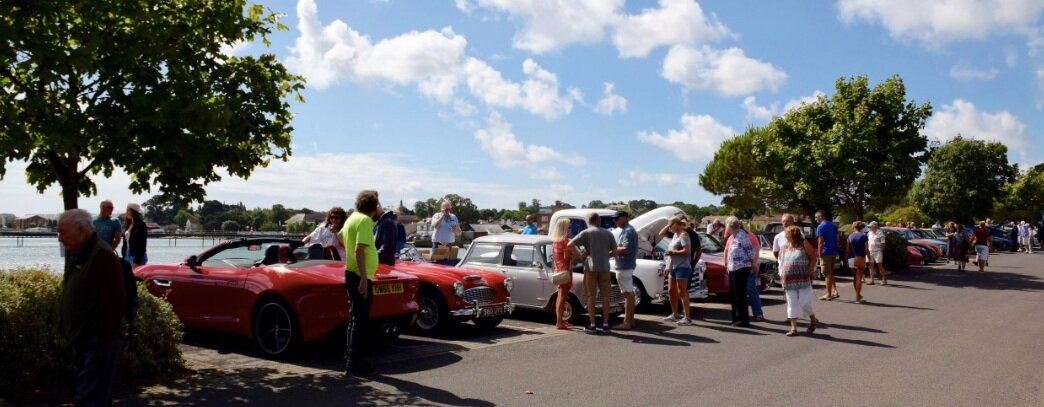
[(981, 239)]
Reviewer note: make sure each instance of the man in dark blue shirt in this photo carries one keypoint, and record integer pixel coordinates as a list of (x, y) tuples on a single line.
[(826, 234)]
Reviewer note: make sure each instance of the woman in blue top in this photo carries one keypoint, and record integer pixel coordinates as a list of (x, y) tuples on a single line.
[(857, 242)]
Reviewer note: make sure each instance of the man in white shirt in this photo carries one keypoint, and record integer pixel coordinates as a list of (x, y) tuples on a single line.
[(780, 240), (446, 226)]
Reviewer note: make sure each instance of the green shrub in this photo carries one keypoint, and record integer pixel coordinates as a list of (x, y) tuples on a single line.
[(37, 356), (895, 252)]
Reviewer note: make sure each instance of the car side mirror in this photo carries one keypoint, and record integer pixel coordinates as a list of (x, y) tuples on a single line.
[(192, 262)]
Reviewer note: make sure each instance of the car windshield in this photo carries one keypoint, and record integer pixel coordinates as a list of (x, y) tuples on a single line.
[(483, 253), (920, 234), (242, 256), (576, 225)]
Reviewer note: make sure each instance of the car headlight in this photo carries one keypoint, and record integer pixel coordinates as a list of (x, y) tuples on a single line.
[(509, 283), (458, 289)]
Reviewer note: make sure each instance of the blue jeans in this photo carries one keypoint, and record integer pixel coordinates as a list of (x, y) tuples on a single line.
[(752, 295)]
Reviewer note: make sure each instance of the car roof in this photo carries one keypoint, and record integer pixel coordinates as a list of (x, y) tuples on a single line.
[(513, 238)]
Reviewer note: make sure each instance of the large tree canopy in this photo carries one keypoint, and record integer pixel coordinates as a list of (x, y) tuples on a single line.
[(860, 149), (87, 87), (963, 179)]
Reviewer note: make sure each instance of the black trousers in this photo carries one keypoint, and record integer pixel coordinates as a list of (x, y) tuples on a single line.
[(96, 362), (359, 320), (738, 286)]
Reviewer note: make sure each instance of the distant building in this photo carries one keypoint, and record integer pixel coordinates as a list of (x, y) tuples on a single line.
[(313, 218), (33, 221)]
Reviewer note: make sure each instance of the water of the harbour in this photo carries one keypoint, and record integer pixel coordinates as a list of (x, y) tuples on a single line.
[(44, 252)]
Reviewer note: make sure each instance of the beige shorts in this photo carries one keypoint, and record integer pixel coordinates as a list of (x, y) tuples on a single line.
[(827, 264), (597, 282)]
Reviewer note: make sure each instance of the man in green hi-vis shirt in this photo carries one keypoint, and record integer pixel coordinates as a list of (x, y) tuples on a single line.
[(359, 266)]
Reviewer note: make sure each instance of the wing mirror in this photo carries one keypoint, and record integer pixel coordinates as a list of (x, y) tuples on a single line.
[(192, 263)]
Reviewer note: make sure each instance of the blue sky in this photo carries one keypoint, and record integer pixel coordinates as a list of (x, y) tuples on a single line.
[(504, 101)]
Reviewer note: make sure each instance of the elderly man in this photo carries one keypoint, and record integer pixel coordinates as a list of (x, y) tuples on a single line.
[(531, 228), (109, 230), (626, 260), (779, 242), (446, 226), (92, 306)]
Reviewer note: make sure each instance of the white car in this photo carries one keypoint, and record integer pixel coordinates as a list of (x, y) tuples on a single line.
[(527, 260), (652, 286)]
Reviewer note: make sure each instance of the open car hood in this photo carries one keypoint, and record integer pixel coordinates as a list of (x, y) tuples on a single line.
[(648, 226)]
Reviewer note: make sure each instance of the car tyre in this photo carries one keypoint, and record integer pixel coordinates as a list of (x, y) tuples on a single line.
[(275, 328), (644, 299), (573, 312), (433, 316), (488, 323)]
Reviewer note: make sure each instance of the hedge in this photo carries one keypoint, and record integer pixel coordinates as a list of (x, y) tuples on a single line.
[(36, 356)]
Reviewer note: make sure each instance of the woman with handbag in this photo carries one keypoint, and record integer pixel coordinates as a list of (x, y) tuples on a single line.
[(562, 255), (795, 273)]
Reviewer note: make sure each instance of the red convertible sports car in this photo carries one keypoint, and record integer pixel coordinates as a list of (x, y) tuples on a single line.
[(257, 288), (453, 294)]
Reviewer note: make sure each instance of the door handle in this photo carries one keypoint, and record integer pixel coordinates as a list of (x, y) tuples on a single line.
[(161, 283)]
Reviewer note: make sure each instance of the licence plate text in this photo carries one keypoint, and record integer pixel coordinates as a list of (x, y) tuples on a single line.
[(385, 289)]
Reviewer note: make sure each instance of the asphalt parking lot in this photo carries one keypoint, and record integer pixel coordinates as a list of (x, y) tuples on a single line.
[(934, 336)]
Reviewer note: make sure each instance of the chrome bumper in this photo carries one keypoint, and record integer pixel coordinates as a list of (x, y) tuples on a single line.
[(477, 310)]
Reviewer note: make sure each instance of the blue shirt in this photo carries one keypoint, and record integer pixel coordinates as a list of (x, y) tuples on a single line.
[(107, 228), (857, 241), (530, 229), (827, 231), (628, 239)]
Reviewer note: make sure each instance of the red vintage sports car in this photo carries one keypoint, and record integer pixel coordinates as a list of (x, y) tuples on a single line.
[(451, 294), (257, 288)]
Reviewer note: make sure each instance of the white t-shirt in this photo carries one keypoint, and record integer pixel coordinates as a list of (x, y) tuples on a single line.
[(779, 244), (444, 233), (326, 237), (876, 240)]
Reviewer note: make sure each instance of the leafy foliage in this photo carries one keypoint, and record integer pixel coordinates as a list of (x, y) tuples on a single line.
[(86, 87), (963, 179), (1024, 198), (895, 252), (906, 214), (859, 150), (37, 356)]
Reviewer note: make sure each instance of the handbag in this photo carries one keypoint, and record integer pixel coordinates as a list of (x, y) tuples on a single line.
[(560, 277)]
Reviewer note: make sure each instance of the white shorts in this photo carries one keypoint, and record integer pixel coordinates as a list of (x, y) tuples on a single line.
[(624, 279), (876, 257), (982, 252)]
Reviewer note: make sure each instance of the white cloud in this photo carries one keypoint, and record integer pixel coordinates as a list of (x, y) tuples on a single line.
[(964, 73), (962, 117), (498, 140), (697, 140), (675, 22), (934, 23), (611, 102), (728, 72), (756, 112), (236, 48), (796, 103), (538, 94), (548, 25), (464, 6), (326, 55), (642, 178), (1011, 56)]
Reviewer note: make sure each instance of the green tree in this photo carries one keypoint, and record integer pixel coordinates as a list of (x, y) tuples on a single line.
[(161, 209), (279, 214), (827, 154), (906, 214), (465, 210), (88, 87), (229, 226), (426, 208), (1024, 198), (563, 205), (963, 178), (596, 204)]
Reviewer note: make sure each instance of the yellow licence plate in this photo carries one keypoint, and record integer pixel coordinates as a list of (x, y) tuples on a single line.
[(384, 289)]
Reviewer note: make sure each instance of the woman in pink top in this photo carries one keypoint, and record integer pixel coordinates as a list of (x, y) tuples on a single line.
[(563, 261)]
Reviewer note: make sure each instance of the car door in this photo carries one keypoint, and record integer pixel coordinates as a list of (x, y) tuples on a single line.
[(212, 295), (532, 279)]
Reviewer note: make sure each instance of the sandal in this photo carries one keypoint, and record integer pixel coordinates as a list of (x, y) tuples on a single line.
[(591, 329), (870, 283), (825, 298), (605, 327), (812, 326), (792, 332)]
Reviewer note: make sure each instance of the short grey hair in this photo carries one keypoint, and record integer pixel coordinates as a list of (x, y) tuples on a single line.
[(106, 203), (732, 223), (78, 218), (787, 217)]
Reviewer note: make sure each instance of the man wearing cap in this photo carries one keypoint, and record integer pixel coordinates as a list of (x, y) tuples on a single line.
[(626, 260), (108, 229)]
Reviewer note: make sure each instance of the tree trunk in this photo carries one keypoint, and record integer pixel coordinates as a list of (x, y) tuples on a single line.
[(65, 169), (70, 192)]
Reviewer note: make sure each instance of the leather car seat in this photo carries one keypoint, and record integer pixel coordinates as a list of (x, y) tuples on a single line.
[(286, 255), (271, 255), (316, 252)]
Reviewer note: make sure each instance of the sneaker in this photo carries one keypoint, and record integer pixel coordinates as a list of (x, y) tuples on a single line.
[(685, 321), (670, 318), (759, 318)]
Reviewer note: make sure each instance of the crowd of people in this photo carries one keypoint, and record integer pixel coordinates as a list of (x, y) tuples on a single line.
[(369, 235)]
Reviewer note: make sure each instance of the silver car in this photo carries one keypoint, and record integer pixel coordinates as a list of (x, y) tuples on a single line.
[(527, 260)]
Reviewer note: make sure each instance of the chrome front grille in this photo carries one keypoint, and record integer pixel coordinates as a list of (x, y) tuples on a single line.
[(480, 295)]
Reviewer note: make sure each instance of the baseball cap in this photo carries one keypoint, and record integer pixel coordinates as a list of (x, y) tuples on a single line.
[(619, 214), (135, 207)]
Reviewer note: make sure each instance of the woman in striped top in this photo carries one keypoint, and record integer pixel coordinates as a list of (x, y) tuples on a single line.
[(795, 273)]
